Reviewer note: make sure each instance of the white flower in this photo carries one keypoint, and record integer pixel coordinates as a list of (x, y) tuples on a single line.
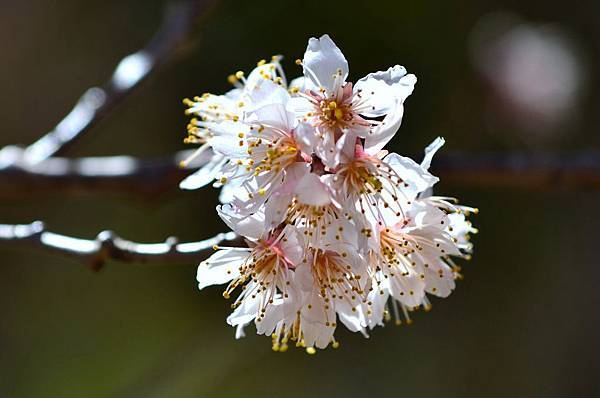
[(216, 113), (331, 279), (336, 107), (263, 273), (412, 254), (339, 231)]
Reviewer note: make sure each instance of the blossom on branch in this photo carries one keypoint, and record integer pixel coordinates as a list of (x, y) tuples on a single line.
[(339, 231)]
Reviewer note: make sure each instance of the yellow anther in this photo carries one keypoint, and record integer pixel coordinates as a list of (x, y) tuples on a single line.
[(311, 350), (215, 247), (225, 295), (223, 180), (239, 74), (232, 79), (335, 344), (262, 192), (261, 62), (298, 61)]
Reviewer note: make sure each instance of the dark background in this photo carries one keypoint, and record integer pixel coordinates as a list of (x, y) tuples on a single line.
[(522, 323)]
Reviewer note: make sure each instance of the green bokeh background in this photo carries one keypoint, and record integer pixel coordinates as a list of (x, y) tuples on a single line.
[(523, 323)]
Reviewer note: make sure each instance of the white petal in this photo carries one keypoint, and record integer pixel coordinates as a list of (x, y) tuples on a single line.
[(439, 278), (245, 312), (326, 149), (276, 209), (414, 176), (266, 92), (409, 289), (430, 151), (345, 147), (226, 141), (239, 330), (230, 191), (273, 115), (353, 320), (378, 302), (380, 91), (303, 277), (291, 246), (220, 268), (281, 310), (306, 137), (256, 77), (311, 191), (341, 232), (300, 106), (249, 226), (377, 138), (299, 83), (205, 175), (317, 334), (322, 60)]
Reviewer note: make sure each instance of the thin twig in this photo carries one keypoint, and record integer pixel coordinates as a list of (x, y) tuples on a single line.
[(96, 103), (107, 245)]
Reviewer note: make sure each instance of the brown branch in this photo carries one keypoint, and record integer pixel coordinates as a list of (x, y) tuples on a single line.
[(523, 171), (148, 178), (107, 245), (96, 103), (123, 174)]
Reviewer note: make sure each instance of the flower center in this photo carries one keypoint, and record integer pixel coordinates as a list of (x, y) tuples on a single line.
[(335, 279), (331, 111), (264, 275), (361, 177), (395, 248), (335, 113), (313, 221)]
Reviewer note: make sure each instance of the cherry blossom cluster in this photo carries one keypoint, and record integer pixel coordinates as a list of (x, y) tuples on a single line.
[(338, 229)]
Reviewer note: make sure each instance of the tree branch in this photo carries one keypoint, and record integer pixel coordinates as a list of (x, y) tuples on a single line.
[(123, 174), (96, 103), (108, 245), (524, 171), (150, 177)]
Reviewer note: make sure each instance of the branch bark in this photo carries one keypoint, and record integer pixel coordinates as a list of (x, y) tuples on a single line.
[(109, 246)]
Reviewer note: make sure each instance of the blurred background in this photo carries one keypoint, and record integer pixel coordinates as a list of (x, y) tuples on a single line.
[(495, 76)]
